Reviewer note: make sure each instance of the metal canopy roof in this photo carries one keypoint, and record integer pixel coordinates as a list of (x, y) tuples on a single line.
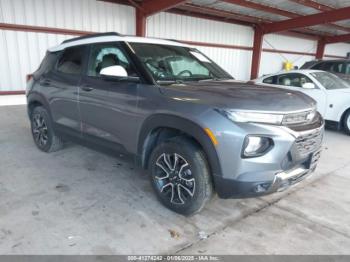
[(256, 12)]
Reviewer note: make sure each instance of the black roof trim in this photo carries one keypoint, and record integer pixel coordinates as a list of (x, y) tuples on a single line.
[(91, 36)]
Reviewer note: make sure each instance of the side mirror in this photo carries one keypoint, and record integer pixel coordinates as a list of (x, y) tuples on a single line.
[(116, 71), (309, 86)]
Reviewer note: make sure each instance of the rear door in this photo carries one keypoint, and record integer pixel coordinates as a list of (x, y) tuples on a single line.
[(109, 105), (62, 88)]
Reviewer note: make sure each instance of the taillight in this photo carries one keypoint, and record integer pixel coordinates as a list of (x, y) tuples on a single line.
[(29, 77)]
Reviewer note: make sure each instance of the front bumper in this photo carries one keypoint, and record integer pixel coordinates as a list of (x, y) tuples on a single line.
[(278, 169), (239, 189)]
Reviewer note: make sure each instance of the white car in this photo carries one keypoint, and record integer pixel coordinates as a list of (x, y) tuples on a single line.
[(331, 93)]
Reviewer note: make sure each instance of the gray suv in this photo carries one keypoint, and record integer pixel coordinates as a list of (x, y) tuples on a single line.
[(339, 67), (184, 119)]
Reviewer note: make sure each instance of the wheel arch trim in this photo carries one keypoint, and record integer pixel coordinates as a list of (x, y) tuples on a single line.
[(35, 97), (184, 125)]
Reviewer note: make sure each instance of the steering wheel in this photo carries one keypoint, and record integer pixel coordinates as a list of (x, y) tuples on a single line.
[(184, 72)]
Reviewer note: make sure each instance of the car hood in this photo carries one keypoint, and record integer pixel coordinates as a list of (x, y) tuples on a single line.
[(239, 95), (340, 90), (344, 77)]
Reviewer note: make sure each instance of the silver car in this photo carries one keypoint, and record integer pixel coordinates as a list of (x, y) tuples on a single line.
[(182, 117)]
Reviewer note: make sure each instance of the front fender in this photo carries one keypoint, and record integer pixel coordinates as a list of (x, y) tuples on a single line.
[(188, 127)]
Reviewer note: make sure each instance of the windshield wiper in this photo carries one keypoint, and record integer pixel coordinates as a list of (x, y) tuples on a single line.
[(214, 79), (170, 82)]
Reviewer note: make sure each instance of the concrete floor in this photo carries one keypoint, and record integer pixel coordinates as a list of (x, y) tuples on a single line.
[(78, 201)]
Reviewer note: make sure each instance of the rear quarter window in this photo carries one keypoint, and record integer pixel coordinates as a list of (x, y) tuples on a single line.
[(318, 66), (47, 64), (269, 80), (71, 61)]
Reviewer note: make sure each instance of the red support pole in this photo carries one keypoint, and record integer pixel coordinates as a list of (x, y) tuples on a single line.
[(321, 44), (151, 7), (140, 23), (257, 49)]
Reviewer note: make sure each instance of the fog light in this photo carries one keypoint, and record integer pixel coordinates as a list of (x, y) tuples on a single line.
[(256, 146), (262, 187)]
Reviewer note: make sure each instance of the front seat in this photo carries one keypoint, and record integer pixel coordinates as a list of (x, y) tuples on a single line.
[(286, 82), (107, 60)]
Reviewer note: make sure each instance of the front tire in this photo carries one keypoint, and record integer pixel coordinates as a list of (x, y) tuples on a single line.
[(346, 122), (180, 176), (43, 133)]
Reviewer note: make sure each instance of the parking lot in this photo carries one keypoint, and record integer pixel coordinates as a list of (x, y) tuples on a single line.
[(79, 201)]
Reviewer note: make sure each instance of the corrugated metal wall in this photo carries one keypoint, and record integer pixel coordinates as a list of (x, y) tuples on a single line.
[(235, 61), (340, 49), (21, 52), (273, 62)]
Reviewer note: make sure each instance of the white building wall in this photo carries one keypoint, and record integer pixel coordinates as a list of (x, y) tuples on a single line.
[(339, 49), (85, 15), (23, 51), (273, 62), (21, 54), (179, 27)]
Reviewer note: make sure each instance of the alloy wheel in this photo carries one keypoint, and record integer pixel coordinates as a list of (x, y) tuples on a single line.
[(174, 178), (40, 130)]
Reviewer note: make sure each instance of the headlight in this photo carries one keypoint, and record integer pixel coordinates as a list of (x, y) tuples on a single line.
[(256, 146), (244, 116)]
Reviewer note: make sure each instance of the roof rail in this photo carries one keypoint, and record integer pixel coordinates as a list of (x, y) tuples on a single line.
[(90, 36)]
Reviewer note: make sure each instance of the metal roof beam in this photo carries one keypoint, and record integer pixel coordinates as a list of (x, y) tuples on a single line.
[(309, 20), (221, 13), (265, 8), (225, 15), (314, 5), (281, 12), (151, 7), (337, 39)]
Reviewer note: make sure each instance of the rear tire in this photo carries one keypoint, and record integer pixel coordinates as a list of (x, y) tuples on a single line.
[(346, 122), (43, 133), (180, 176)]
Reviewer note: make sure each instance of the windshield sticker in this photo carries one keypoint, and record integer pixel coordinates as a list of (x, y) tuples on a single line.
[(200, 57)]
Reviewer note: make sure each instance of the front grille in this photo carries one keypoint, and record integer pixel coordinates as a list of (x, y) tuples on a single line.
[(315, 123), (299, 118), (309, 142)]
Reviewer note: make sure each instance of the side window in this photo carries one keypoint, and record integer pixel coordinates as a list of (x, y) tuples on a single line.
[(338, 68), (105, 55), (269, 80), (296, 80), (318, 66), (347, 69), (327, 66), (71, 61)]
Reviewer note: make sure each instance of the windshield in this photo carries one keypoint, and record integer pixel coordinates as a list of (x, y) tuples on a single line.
[(330, 81), (177, 63)]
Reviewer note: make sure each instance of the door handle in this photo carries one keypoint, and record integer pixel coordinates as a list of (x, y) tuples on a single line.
[(87, 88), (45, 82)]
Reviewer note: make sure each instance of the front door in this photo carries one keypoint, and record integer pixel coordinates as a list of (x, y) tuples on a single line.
[(108, 105)]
